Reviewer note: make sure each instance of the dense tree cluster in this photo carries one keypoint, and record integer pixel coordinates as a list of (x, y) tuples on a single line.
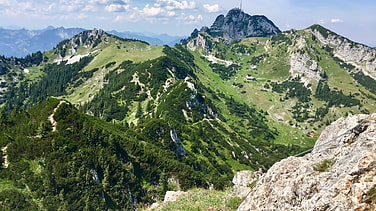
[(334, 97), (224, 71), (55, 81), (293, 88), (366, 81)]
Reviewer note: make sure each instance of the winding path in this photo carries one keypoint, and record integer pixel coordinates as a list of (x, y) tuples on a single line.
[(51, 117), (5, 157)]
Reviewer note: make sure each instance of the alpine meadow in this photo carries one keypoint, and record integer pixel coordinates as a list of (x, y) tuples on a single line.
[(106, 123)]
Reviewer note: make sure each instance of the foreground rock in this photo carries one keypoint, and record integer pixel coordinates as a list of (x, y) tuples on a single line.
[(339, 174), (244, 181), (173, 195)]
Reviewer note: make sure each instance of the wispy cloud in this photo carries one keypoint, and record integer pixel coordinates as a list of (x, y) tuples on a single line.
[(117, 7), (175, 5), (190, 19), (336, 20), (211, 8)]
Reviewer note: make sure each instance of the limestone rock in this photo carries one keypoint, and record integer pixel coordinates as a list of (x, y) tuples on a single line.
[(304, 66), (243, 181), (236, 25), (338, 174), (361, 56), (173, 195)]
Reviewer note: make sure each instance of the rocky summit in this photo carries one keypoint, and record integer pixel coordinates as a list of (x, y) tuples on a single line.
[(339, 173), (237, 25)]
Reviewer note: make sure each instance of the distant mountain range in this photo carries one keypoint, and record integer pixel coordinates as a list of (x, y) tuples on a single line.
[(22, 42)]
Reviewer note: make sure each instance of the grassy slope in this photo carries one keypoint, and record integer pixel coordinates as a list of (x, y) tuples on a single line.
[(254, 95), (117, 52), (275, 67)]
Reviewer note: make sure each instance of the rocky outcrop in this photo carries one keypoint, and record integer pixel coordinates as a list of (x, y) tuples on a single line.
[(179, 151), (173, 195), (243, 182), (358, 55), (236, 25), (339, 173), (304, 66), (85, 38)]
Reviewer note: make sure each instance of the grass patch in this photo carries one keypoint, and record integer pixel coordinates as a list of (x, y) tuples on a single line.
[(199, 199), (371, 196), (6, 184), (324, 165)]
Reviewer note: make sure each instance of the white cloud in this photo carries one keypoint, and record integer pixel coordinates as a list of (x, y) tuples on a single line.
[(336, 20), (175, 5), (119, 18), (6, 2), (152, 11), (211, 8), (190, 19), (322, 22), (171, 13), (98, 1), (117, 7), (90, 8)]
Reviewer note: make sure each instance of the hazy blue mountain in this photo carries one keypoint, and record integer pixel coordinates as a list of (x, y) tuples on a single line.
[(22, 42), (151, 38)]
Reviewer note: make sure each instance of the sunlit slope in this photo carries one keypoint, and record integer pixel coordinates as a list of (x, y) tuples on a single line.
[(281, 74)]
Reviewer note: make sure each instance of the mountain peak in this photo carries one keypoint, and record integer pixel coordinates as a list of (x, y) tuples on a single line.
[(88, 37), (237, 25)]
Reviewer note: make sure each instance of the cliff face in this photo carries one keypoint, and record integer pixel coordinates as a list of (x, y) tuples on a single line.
[(339, 173), (237, 25), (361, 56)]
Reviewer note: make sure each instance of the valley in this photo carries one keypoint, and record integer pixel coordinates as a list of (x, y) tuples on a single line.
[(102, 122)]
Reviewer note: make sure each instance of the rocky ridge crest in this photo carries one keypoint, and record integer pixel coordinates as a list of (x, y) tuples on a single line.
[(339, 173), (359, 55)]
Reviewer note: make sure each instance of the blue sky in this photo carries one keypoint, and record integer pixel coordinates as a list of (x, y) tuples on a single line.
[(350, 18)]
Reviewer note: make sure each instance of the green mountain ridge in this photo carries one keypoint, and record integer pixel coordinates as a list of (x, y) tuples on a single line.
[(141, 119)]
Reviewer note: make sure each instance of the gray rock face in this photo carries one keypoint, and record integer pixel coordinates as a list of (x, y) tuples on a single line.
[(237, 25), (339, 174), (361, 56), (303, 65), (180, 151), (243, 182)]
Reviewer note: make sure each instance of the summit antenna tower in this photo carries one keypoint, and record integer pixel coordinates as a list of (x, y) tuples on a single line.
[(241, 4)]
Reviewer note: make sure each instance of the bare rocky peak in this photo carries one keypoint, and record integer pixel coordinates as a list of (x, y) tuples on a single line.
[(339, 173), (87, 37), (237, 25)]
